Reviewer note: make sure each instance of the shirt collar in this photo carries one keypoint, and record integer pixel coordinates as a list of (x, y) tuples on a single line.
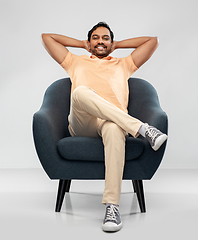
[(105, 58)]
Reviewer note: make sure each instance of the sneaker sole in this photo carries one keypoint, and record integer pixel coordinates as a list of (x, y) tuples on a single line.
[(111, 227), (159, 141)]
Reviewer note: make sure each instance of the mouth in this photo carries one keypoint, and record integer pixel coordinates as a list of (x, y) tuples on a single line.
[(101, 47)]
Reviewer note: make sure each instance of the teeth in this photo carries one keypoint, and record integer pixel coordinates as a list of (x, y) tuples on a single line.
[(101, 48)]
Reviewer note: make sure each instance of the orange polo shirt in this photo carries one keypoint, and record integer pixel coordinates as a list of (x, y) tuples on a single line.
[(108, 76)]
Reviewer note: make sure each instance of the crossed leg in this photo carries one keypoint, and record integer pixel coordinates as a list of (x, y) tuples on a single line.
[(87, 110), (93, 116)]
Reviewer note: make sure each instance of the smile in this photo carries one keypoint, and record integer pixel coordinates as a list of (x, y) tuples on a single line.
[(101, 47)]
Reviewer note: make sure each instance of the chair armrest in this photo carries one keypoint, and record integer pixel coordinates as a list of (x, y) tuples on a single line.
[(158, 118), (48, 125), (48, 129)]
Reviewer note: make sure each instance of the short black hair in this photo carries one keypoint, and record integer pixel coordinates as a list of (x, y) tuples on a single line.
[(100, 24)]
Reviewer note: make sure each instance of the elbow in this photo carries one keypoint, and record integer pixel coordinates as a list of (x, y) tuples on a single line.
[(156, 40), (43, 39), (43, 36)]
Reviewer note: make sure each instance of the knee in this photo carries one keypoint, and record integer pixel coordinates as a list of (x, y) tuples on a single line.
[(113, 130), (113, 137), (78, 92)]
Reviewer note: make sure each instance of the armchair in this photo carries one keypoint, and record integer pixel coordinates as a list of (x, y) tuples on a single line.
[(67, 158)]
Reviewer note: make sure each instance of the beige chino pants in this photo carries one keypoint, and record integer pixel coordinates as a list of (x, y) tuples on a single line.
[(93, 116)]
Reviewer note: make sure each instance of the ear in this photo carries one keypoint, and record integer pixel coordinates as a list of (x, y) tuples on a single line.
[(89, 46)]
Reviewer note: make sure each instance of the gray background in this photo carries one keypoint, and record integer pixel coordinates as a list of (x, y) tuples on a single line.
[(26, 69)]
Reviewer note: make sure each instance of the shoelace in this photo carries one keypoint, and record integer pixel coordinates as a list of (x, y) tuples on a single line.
[(152, 133), (111, 213)]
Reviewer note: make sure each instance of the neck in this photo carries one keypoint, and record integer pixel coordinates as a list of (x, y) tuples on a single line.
[(100, 57)]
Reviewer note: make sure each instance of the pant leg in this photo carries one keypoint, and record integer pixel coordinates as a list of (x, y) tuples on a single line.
[(86, 101), (114, 146), (81, 123)]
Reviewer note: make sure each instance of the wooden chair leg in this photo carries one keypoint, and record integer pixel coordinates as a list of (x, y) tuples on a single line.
[(140, 194), (63, 184)]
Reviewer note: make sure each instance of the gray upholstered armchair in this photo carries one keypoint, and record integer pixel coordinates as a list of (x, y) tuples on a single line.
[(65, 158)]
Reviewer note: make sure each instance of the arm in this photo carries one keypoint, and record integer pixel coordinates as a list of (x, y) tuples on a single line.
[(56, 45), (144, 48)]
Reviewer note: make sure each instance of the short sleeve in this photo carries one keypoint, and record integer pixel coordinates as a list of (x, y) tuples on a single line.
[(130, 65), (68, 61)]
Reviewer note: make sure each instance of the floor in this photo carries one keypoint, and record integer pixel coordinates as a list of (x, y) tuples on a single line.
[(27, 202)]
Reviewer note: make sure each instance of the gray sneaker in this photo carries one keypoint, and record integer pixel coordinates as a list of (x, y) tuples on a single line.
[(154, 136), (112, 221)]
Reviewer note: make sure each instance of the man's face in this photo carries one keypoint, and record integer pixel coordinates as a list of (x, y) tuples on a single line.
[(100, 42)]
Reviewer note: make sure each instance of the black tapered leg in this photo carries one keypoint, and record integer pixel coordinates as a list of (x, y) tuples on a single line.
[(61, 193), (68, 185), (140, 194), (133, 182)]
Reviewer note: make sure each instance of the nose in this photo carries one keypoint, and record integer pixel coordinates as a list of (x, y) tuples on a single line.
[(100, 40)]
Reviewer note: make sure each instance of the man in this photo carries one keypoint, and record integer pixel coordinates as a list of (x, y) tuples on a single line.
[(99, 98)]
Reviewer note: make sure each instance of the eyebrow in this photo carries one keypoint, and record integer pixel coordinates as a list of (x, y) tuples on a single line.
[(96, 35)]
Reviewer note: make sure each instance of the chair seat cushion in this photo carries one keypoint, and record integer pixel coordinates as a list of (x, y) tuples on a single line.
[(92, 149)]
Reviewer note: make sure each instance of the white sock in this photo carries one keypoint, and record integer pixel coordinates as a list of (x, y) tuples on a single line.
[(108, 204), (142, 130)]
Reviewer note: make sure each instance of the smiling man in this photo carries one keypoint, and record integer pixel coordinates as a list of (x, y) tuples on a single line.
[(99, 99), (100, 42)]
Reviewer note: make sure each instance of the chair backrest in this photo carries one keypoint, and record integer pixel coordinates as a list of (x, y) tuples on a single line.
[(142, 98), (57, 95), (57, 100)]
